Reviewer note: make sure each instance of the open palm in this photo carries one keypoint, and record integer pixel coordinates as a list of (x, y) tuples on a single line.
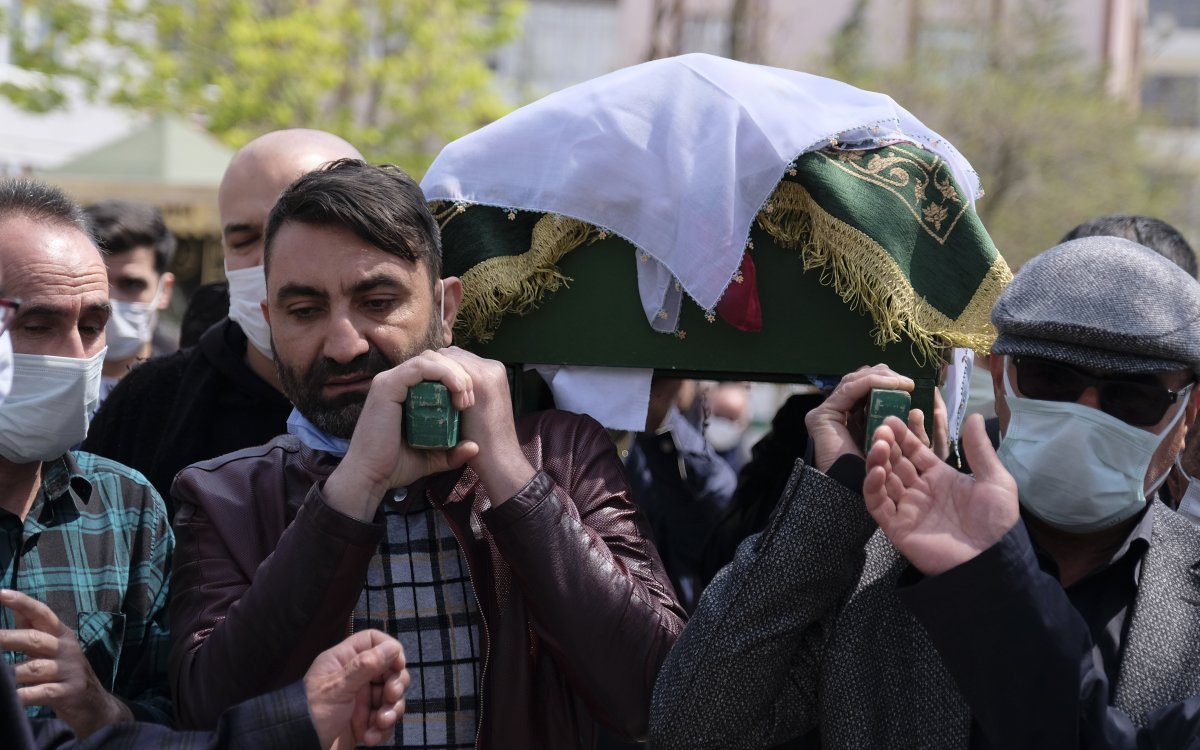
[(935, 516)]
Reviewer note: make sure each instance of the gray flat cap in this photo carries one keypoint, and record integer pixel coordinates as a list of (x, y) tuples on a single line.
[(1102, 303)]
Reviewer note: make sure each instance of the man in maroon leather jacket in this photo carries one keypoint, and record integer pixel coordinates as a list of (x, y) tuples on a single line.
[(571, 613)]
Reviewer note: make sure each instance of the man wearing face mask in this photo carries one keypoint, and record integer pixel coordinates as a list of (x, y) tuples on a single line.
[(138, 250), (85, 542), (223, 394), (1095, 367)]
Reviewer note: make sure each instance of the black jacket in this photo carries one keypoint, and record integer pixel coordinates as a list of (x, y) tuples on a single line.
[(279, 719), (190, 406), (1022, 657)]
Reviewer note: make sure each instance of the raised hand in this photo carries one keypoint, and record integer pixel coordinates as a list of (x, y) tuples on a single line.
[(935, 516), (56, 674), (356, 690)]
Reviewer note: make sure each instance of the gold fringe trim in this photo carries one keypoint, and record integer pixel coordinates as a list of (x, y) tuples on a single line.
[(518, 283), (866, 276)]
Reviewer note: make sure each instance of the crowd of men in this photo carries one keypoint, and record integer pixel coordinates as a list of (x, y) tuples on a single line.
[(238, 543)]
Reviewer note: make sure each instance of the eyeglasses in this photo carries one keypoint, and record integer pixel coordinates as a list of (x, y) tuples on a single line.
[(8, 308), (1137, 404)]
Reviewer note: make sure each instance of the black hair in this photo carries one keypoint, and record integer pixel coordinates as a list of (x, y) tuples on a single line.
[(1153, 233), (380, 204), (206, 307), (120, 226), (41, 202)]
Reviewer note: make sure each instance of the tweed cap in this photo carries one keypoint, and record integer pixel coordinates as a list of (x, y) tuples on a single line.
[(1102, 303)]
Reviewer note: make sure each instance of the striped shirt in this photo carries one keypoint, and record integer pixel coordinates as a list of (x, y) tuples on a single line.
[(96, 548), (418, 589)]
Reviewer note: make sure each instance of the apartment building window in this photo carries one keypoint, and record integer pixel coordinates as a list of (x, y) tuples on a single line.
[(1175, 98)]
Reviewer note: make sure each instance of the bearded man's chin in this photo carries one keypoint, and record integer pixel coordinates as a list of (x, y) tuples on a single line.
[(339, 421)]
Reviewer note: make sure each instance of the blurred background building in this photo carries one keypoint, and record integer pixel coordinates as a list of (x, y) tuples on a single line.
[(567, 41), (1145, 53), (1068, 108)]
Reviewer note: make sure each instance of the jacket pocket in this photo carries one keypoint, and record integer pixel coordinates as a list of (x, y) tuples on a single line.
[(100, 636)]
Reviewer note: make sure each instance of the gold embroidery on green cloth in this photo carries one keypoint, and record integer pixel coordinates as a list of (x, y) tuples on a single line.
[(518, 283), (444, 211), (864, 274), (909, 174)]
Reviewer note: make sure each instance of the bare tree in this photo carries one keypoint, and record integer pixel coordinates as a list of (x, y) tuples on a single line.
[(666, 30), (747, 26)]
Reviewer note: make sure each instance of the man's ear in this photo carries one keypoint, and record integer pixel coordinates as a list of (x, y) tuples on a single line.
[(167, 280), (266, 311), (452, 292)]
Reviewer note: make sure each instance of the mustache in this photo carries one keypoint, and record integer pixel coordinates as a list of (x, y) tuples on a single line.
[(368, 364)]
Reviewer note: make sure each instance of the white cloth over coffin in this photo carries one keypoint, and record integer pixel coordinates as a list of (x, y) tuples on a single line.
[(677, 156), (616, 397)]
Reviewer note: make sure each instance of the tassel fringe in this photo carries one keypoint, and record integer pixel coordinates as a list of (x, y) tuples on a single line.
[(866, 276), (517, 283)]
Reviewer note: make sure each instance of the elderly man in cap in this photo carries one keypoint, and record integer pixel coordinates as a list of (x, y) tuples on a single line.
[(807, 629)]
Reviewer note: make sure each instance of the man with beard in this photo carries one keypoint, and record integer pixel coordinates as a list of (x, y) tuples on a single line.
[(222, 394), (513, 567)]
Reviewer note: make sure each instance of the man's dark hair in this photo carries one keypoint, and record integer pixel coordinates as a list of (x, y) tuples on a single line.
[(120, 226), (1155, 234), (41, 203), (379, 203)]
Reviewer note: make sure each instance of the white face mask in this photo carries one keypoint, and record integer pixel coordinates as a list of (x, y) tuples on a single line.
[(6, 366), (1077, 469), (722, 433), (248, 288), (131, 326), (1189, 504), (50, 405)]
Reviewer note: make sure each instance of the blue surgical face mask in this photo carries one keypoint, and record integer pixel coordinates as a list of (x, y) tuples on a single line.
[(1078, 469)]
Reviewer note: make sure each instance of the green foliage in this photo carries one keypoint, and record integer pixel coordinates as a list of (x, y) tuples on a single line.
[(47, 39), (1051, 148), (398, 78)]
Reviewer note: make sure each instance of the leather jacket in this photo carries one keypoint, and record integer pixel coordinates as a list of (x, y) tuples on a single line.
[(576, 607)]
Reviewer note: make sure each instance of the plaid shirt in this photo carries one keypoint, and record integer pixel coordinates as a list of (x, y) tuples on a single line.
[(96, 548), (419, 590)]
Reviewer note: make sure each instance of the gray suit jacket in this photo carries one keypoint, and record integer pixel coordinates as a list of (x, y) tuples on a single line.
[(804, 628)]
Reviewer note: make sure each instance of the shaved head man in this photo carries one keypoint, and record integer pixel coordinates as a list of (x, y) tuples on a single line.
[(254, 179), (256, 176), (223, 394)]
